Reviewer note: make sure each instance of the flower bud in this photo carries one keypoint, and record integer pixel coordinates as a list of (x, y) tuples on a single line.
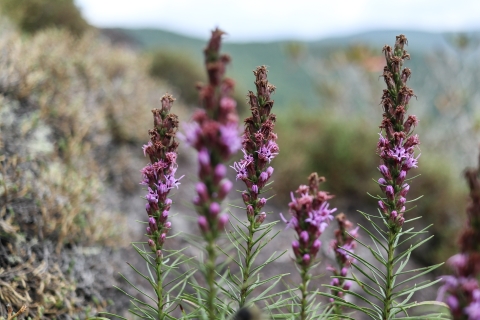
[(452, 302), (315, 247), (159, 254), (250, 211), (385, 172), (149, 231), (347, 285), (389, 192), (219, 173), (304, 237), (296, 248), (168, 225), (400, 221), (255, 189), (401, 177), (245, 197), (261, 203), (404, 190), (214, 209), (202, 191), (382, 183), (382, 206), (306, 259), (401, 202), (152, 223), (222, 222), (269, 171), (263, 176), (259, 219), (344, 272), (164, 216), (147, 208), (204, 157), (335, 282), (161, 238), (203, 223), (225, 188), (393, 215), (151, 244)]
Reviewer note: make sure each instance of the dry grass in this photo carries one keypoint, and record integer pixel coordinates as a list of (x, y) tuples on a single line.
[(71, 110)]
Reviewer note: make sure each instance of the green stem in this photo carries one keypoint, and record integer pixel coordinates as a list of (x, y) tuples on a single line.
[(304, 288), (248, 263), (210, 277), (159, 261), (390, 275)]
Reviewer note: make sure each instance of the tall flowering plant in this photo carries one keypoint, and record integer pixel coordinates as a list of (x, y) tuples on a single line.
[(461, 291), (259, 149), (310, 216), (343, 244), (159, 178), (214, 134), (386, 298)]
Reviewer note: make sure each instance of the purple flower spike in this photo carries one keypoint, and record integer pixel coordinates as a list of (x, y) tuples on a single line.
[(259, 147)]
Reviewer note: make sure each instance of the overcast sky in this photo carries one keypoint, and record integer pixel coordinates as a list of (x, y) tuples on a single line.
[(277, 19)]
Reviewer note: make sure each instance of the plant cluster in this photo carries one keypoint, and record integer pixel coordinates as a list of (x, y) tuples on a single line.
[(375, 282)]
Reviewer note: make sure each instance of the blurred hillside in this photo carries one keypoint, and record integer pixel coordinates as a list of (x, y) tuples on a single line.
[(293, 81), (74, 112)]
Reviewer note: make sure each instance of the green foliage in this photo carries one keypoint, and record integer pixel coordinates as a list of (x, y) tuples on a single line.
[(179, 70), (385, 279), (182, 72), (168, 289), (34, 15)]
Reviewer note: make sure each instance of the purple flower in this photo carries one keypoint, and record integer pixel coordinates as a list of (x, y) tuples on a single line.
[(241, 170), (473, 311), (229, 137)]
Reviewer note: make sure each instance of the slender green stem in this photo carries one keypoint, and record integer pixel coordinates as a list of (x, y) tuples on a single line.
[(210, 277), (159, 261), (390, 275), (248, 263), (304, 289)]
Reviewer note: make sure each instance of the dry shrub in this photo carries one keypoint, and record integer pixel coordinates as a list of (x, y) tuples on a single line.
[(72, 112), (34, 15)]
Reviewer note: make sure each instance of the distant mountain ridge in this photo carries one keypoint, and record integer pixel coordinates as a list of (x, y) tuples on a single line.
[(294, 85)]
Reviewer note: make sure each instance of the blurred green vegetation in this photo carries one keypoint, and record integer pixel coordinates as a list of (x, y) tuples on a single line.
[(34, 15), (179, 70), (183, 73)]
